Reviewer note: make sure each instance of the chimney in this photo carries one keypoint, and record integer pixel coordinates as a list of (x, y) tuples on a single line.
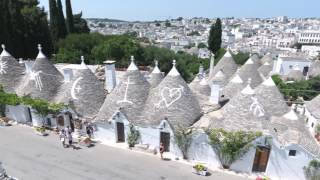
[(201, 71), (211, 66), (67, 74), (28, 65), (110, 73), (215, 94)]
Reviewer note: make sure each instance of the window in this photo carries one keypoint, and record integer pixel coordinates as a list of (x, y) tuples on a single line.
[(312, 124), (292, 152)]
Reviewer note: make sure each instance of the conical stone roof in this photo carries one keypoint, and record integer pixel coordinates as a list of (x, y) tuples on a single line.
[(227, 65), (265, 70), (250, 70), (267, 58), (44, 80), (244, 112), (11, 72), (156, 76), (84, 93), (271, 99), (315, 69), (313, 107), (220, 79), (233, 87), (201, 89), (130, 95), (172, 100)]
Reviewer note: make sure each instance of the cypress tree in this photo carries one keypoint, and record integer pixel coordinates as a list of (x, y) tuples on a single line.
[(215, 34), (54, 25), (5, 23), (61, 21), (70, 23)]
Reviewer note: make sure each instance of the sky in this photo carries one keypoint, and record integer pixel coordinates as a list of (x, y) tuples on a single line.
[(149, 10)]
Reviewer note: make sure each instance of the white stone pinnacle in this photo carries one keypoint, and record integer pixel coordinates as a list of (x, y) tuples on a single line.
[(40, 54), (156, 69), (132, 66), (4, 52), (83, 64), (174, 71)]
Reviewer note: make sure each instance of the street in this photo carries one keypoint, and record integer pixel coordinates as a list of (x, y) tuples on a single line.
[(28, 156)]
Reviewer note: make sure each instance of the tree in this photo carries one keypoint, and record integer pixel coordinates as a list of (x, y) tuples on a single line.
[(61, 21), (215, 34), (80, 25), (229, 146), (23, 25), (183, 138), (54, 22), (70, 23)]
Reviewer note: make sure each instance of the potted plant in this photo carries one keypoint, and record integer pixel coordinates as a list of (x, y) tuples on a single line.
[(41, 131), (200, 169), (133, 136)]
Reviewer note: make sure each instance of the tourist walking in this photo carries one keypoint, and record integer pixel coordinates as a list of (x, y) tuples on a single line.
[(161, 149), (89, 131), (62, 136), (69, 136)]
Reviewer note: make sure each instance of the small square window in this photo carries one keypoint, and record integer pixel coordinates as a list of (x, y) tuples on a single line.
[(292, 152)]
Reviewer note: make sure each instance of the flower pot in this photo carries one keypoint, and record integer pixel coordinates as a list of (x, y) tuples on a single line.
[(225, 166)]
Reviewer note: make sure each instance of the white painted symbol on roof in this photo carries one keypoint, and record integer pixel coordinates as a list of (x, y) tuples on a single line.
[(75, 87), (256, 107), (125, 100), (35, 76), (169, 96), (3, 67)]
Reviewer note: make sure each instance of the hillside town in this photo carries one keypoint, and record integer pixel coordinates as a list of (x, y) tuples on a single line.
[(280, 35)]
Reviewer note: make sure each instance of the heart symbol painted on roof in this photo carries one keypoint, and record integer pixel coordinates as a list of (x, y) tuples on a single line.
[(170, 95)]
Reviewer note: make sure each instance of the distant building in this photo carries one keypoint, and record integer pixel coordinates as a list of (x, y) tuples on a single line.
[(310, 37)]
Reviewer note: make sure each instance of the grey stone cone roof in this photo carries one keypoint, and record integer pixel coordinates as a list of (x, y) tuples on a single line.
[(155, 79), (227, 65), (267, 58), (293, 132), (271, 99), (201, 89), (84, 93), (255, 58), (11, 73), (130, 95), (172, 100), (265, 70), (315, 69), (295, 75), (250, 70), (43, 83), (232, 89), (313, 107), (239, 115), (220, 79)]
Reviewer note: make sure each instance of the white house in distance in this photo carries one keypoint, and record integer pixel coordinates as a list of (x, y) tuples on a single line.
[(284, 65)]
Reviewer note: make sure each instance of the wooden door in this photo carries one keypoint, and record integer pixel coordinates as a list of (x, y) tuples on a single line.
[(165, 139), (261, 159), (120, 132)]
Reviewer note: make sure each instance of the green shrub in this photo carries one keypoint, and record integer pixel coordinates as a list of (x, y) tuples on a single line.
[(133, 136)]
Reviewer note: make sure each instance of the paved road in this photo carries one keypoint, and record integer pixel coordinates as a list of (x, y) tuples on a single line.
[(30, 157)]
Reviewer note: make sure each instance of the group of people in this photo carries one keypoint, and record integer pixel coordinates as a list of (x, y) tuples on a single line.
[(66, 135)]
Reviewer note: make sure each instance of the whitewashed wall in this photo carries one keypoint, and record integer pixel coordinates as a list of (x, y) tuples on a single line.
[(18, 113), (106, 131), (282, 166), (311, 120), (201, 151)]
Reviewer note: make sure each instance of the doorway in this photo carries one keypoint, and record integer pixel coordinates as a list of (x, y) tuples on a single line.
[(165, 139), (261, 159), (120, 132)]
